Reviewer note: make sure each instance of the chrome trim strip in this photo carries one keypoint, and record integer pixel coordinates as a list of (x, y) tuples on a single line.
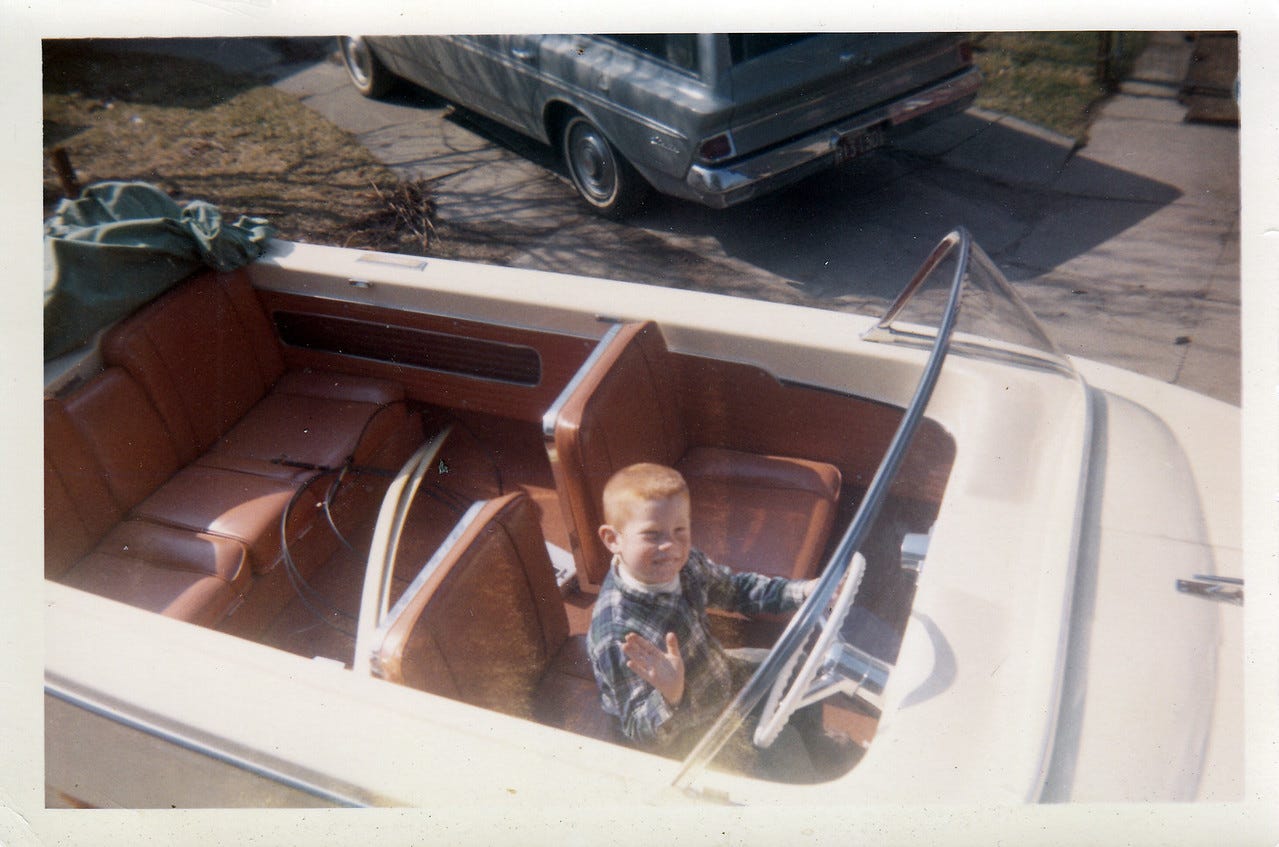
[(719, 184), (202, 748), (431, 566), (553, 413)]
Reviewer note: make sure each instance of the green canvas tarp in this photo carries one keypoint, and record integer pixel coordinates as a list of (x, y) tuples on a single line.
[(120, 244)]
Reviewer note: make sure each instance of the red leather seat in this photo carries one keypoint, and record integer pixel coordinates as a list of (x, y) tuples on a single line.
[(168, 474), (764, 513), (137, 460), (196, 577), (89, 544), (488, 627), (207, 358)]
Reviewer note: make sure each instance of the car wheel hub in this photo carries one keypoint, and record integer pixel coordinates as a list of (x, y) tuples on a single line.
[(359, 60), (593, 164)]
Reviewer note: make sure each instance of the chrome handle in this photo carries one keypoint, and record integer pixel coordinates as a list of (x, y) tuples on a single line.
[(1223, 589), (914, 551)]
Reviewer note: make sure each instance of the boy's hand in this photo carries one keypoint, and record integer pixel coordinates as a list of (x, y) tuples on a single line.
[(663, 670), (811, 586)]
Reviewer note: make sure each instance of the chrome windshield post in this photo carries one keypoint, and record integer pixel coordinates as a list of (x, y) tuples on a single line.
[(794, 637)]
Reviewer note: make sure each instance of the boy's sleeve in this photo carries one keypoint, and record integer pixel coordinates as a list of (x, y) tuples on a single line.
[(645, 715), (749, 593)]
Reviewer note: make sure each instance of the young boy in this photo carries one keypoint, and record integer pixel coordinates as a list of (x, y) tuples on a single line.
[(659, 669)]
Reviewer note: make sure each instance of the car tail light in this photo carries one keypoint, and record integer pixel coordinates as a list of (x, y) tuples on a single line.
[(716, 147)]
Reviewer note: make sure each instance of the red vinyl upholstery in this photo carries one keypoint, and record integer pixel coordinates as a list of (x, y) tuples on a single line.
[(205, 356), (488, 627), (89, 544), (764, 513), (182, 455)]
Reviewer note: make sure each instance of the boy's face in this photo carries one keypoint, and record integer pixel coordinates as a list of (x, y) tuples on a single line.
[(653, 542)]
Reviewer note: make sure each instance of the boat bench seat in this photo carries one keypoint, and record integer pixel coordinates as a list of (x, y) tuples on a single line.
[(176, 464), (751, 511), (91, 543), (487, 626)]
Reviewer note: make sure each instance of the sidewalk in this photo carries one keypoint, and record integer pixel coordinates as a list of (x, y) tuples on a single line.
[(1188, 250)]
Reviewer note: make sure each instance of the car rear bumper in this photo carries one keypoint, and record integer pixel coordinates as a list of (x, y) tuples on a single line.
[(725, 185)]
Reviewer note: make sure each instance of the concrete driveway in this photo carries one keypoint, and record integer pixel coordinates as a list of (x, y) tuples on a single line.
[(1127, 247)]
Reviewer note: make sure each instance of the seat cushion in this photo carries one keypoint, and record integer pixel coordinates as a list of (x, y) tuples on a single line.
[(184, 595), (286, 432), (568, 697), (241, 506), (311, 420), (178, 549), (767, 514), (194, 577), (335, 386)]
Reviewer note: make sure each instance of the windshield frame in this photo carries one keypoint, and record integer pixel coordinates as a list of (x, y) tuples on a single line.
[(1035, 349), (796, 632)]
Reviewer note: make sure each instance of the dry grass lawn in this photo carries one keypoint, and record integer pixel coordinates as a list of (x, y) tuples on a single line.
[(200, 133)]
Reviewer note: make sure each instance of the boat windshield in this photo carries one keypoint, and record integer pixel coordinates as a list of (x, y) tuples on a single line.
[(957, 302), (992, 321)]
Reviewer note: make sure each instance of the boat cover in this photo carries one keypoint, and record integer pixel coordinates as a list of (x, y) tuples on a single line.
[(120, 244)]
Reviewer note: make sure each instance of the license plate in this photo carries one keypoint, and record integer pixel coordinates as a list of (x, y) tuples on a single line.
[(854, 144)]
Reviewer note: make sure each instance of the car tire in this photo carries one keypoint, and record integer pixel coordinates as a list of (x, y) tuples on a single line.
[(604, 179), (369, 76)]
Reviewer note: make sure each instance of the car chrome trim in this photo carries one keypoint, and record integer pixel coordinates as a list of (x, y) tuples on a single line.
[(186, 742), (553, 413), (1223, 589), (855, 673), (914, 551), (727, 184), (374, 600)]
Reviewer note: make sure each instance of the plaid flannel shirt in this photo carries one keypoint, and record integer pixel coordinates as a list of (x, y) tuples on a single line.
[(646, 717)]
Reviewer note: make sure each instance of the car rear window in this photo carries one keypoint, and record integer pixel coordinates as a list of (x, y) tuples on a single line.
[(678, 50), (744, 46)]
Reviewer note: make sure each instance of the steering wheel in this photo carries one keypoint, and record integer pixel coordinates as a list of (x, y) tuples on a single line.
[(789, 694)]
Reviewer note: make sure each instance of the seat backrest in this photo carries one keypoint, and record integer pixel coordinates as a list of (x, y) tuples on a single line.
[(624, 409), (483, 621), (204, 352), (105, 450), (117, 423), (78, 507)]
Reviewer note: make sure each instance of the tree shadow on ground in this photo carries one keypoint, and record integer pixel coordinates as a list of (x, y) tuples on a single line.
[(863, 229), (858, 232)]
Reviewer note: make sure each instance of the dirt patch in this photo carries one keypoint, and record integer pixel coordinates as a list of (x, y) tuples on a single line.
[(198, 132)]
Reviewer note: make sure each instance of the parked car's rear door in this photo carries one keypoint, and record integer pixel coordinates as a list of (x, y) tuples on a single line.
[(412, 57), (645, 92), (495, 75)]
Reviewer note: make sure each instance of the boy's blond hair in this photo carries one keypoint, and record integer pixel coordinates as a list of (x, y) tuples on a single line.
[(646, 482)]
